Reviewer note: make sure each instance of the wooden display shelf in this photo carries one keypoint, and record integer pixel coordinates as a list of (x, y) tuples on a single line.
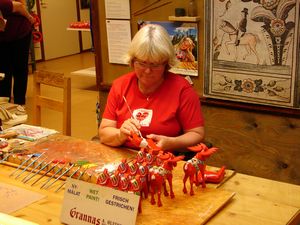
[(185, 18), (89, 72), (79, 29)]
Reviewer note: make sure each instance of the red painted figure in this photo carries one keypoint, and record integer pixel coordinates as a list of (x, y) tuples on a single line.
[(123, 166), (143, 172), (194, 169), (158, 176)]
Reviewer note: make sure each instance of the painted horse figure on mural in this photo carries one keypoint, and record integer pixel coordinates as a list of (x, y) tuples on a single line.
[(247, 40)]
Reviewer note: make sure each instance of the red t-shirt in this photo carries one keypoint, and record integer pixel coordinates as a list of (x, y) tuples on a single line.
[(170, 110), (17, 26)]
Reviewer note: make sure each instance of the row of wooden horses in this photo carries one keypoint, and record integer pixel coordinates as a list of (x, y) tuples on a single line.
[(151, 170)]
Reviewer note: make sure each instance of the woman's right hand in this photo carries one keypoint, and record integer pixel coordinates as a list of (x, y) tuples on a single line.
[(31, 19), (129, 125)]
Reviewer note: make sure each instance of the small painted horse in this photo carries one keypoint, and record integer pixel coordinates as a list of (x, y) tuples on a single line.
[(158, 177), (195, 167)]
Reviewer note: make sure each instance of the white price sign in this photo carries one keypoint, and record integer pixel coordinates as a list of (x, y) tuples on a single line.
[(86, 203)]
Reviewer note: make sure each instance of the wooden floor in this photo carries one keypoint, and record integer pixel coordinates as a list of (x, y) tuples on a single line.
[(83, 95)]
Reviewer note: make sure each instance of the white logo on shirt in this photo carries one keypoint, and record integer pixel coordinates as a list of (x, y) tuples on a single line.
[(144, 116)]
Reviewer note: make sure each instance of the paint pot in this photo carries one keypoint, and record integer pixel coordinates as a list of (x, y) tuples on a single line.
[(179, 12)]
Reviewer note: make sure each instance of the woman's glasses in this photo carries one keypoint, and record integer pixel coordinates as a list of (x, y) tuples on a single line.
[(144, 65)]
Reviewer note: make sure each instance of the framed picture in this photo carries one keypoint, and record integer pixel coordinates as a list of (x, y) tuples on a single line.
[(184, 37), (85, 4), (252, 51)]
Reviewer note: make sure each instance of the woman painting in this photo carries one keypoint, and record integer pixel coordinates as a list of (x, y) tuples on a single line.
[(151, 100)]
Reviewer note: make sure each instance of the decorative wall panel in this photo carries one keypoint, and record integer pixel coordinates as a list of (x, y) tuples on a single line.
[(252, 51)]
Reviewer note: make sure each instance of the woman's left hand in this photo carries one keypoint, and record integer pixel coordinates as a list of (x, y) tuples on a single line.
[(161, 141), (189, 138)]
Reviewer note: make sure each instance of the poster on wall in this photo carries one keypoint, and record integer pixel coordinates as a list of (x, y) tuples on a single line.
[(184, 37), (252, 51), (85, 4), (118, 39), (117, 9)]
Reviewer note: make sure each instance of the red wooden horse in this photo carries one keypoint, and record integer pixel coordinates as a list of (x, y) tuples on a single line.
[(123, 166), (194, 169), (135, 186), (212, 176), (143, 173), (159, 175), (109, 179), (103, 177), (145, 144), (124, 182), (141, 155)]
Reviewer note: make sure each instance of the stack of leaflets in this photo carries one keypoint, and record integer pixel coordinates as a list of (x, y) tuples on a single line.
[(30, 132)]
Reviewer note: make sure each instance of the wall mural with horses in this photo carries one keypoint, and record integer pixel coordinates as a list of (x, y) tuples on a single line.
[(252, 51)]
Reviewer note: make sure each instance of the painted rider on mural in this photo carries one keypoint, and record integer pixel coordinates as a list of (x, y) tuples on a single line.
[(242, 26)]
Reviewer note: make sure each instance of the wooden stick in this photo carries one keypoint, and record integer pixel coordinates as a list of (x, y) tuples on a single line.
[(147, 6), (148, 10)]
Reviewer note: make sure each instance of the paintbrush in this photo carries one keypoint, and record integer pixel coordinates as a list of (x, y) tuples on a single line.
[(143, 143), (128, 107)]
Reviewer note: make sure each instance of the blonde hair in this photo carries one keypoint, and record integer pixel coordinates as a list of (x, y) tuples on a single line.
[(151, 43)]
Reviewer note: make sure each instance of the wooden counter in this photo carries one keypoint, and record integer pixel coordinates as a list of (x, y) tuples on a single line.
[(259, 201), (256, 201)]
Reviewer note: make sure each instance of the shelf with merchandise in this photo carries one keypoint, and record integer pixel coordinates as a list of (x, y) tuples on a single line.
[(185, 18)]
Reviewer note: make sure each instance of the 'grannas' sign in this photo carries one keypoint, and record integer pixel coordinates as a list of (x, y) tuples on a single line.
[(91, 204)]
